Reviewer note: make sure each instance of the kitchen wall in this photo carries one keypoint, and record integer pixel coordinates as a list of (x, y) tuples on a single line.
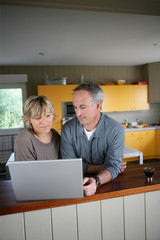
[(104, 74), (148, 116)]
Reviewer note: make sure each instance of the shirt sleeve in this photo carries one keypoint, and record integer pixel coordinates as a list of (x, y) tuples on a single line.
[(115, 152), (24, 149)]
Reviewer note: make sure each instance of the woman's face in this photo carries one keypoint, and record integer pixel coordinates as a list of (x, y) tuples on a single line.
[(42, 123)]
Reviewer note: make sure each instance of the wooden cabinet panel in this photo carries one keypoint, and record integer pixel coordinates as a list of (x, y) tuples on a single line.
[(12, 227), (110, 102), (152, 215), (89, 221), (64, 222), (140, 93), (67, 93), (147, 143), (132, 139), (143, 141), (125, 98), (157, 143), (134, 217), (112, 218), (38, 225)]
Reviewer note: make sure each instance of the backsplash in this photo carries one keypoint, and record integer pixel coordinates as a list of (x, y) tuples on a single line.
[(148, 116)]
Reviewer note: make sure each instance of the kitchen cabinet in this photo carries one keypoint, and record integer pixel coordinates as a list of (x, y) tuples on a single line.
[(110, 102), (67, 93), (125, 98), (152, 215), (151, 73), (157, 143), (134, 217), (143, 141)]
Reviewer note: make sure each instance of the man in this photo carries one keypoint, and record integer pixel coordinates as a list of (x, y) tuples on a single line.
[(94, 137)]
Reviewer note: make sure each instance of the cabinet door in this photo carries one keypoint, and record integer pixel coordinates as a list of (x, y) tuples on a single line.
[(112, 218), (157, 143), (12, 227), (111, 100), (134, 217), (125, 98), (64, 221), (132, 139), (140, 97), (67, 93), (89, 221), (153, 215), (38, 225), (147, 143)]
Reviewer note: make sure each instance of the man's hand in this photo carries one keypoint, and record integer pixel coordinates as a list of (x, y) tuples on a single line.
[(89, 186), (123, 166)]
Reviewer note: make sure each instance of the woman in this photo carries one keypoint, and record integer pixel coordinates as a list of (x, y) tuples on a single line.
[(37, 141)]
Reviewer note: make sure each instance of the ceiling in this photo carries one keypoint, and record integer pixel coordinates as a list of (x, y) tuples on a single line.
[(56, 33)]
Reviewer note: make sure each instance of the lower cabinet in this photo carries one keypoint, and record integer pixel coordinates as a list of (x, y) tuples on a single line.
[(143, 141), (158, 143), (123, 218)]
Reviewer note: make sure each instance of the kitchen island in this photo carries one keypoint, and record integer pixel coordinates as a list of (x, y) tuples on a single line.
[(128, 204)]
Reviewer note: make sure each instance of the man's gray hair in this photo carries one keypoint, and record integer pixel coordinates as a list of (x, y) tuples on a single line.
[(93, 88)]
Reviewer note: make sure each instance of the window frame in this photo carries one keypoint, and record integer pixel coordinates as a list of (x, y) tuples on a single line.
[(13, 81)]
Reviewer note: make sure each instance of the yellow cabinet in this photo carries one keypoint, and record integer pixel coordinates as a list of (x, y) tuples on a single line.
[(158, 143), (140, 93), (143, 141), (110, 102), (147, 143), (67, 93), (125, 98)]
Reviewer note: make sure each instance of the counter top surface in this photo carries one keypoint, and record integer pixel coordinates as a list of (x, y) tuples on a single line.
[(132, 129), (132, 181)]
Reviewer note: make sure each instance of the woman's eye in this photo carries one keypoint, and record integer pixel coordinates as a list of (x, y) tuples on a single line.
[(37, 118)]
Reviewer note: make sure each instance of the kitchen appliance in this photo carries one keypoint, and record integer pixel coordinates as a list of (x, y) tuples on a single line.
[(67, 109), (56, 81)]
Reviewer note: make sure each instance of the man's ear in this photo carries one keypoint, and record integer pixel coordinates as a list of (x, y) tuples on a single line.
[(99, 105)]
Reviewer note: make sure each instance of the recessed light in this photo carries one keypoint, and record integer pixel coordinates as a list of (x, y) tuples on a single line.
[(41, 53)]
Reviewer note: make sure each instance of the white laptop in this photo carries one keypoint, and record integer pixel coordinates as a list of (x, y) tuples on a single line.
[(47, 179)]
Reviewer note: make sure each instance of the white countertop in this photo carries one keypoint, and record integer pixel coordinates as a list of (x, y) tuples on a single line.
[(142, 129)]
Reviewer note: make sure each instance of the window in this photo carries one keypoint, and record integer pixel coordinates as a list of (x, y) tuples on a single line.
[(12, 96)]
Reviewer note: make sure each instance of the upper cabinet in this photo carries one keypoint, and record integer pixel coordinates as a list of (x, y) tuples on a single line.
[(125, 98), (151, 73)]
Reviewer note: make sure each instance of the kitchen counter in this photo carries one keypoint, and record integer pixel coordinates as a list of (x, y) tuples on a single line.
[(132, 181), (142, 129)]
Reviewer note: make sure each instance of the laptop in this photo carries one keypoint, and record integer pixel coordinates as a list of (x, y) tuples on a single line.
[(47, 179)]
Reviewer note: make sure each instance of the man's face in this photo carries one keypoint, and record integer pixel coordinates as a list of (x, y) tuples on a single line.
[(87, 112)]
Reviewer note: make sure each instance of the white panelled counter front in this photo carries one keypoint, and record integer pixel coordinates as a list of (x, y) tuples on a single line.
[(126, 208)]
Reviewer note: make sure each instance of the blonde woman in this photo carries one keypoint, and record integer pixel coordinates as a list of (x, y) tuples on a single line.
[(38, 140)]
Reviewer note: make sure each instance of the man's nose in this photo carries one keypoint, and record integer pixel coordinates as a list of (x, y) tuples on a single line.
[(78, 112)]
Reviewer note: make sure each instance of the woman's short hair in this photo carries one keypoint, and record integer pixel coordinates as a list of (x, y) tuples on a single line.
[(34, 106), (93, 88)]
